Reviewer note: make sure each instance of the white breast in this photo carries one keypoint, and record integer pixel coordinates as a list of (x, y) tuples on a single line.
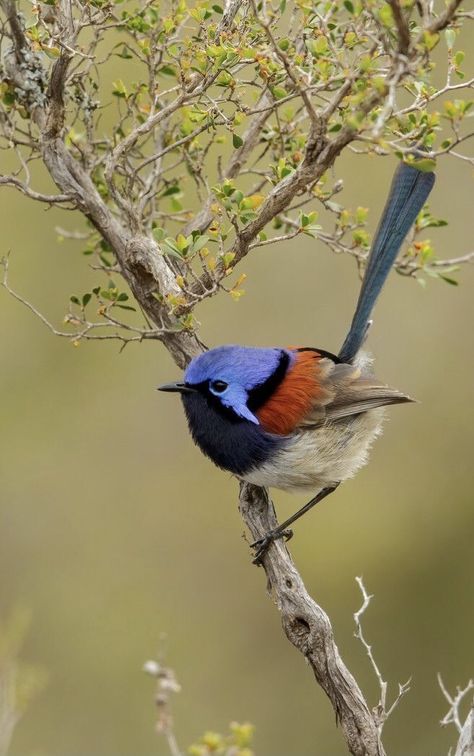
[(321, 457)]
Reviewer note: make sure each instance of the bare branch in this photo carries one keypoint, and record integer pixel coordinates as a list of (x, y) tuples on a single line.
[(276, 239), (51, 199), (468, 258)]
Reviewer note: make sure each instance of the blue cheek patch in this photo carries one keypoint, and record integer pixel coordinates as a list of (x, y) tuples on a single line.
[(236, 398)]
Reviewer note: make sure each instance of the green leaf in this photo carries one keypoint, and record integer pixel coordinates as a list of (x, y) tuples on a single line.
[(75, 300), (321, 45), (386, 15), (348, 6), (158, 234), (237, 141), (170, 251), (279, 92), (104, 260), (450, 37), (449, 280), (361, 215), (199, 243), (225, 79), (51, 52), (106, 294), (228, 258), (176, 205), (217, 9), (119, 89), (171, 190), (426, 165), (86, 299), (167, 71)]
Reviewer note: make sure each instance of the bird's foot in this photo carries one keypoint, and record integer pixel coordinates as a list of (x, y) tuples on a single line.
[(262, 544)]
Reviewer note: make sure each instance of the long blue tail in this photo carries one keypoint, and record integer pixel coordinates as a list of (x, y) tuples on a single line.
[(408, 193)]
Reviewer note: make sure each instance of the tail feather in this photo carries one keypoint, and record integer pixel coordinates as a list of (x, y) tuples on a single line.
[(408, 193)]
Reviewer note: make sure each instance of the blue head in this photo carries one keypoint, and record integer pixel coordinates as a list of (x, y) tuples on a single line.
[(230, 375), (221, 392)]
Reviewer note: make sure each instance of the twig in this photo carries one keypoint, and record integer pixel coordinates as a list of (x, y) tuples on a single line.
[(86, 327), (453, 716), (380, 712), (166, 684), (51, 199)]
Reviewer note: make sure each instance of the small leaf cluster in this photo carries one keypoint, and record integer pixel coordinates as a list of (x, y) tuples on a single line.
[(239, 208), (106, 298), (420, 257), (237, 743)]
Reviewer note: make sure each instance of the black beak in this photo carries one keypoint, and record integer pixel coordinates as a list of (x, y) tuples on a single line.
[(181, 388)]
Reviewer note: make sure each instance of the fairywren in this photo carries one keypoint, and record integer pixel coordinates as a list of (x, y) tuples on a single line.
[(301, 417)]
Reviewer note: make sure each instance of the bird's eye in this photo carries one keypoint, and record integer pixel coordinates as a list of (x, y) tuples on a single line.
[(218, 387)]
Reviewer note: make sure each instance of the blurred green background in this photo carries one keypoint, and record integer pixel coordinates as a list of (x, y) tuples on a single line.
[(114, 529)]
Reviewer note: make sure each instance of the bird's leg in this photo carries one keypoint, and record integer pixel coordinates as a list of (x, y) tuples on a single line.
[(281, 531)]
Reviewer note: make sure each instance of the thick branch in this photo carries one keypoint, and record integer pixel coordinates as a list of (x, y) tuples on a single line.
[(465, 746), (309, 629), (445, 17)]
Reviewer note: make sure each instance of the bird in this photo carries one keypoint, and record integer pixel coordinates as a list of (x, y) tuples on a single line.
[(302, 418)]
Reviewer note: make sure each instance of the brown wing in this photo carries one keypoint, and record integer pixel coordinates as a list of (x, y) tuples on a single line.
[(348, 391)]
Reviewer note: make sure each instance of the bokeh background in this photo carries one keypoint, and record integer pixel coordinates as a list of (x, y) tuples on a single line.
[(115, 530)]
